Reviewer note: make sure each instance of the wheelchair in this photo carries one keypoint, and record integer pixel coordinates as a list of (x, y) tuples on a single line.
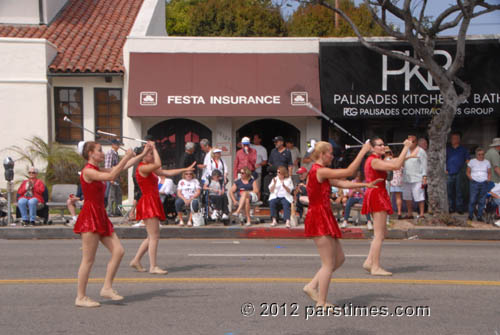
[(490, 210), (209, 209)]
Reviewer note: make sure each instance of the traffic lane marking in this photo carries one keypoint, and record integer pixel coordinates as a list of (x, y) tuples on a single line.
[(256, 280)]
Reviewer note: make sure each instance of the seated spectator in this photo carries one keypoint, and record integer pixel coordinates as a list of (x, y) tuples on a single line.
[(29, 196), (281, 188), (244, 193), (479, 174), (300, 193), (74, 201), (188, 191), (217, 195), (355, 196)]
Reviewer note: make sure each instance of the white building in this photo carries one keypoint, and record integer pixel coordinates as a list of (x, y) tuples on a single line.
[(109, 65)]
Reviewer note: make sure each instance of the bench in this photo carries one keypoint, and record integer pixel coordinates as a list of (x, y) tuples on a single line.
[(59, 195), (356, 208)]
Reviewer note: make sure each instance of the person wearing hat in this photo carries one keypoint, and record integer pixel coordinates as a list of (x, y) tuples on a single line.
[(113, 189), (456, 156), (245, 157), (216, 162), (493, 156), (280, 155)]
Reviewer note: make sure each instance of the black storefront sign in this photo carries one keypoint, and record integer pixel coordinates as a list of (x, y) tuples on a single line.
[(359, 83)]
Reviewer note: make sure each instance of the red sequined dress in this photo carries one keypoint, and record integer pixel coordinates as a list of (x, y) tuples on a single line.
[(319, 219), (93, 217), (376, 199), (149, 205)]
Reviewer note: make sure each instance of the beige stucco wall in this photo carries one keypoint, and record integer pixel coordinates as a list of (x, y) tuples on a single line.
[(23, 94)]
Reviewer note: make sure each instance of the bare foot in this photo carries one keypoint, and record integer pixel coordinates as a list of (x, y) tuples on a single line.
[(157, 271), (380, 272), (137, 266), (367, 266), (312, 293)]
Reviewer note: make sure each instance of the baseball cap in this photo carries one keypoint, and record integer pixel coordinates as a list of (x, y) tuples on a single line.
[(301, 170), (245, 140), (278, 138), (115, 142)]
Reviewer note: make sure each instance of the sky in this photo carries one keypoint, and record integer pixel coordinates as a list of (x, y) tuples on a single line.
[(484, 24)]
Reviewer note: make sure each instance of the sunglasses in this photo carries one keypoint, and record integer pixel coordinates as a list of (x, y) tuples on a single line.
[(31, 172), (189, 174)]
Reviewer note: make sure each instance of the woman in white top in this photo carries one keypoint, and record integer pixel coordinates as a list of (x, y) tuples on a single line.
[(188, 191), (281, 188), (216, 163), (479, 174)]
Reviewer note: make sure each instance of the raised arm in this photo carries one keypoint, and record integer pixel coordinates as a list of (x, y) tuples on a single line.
[(138, 158), (91, 175), (327, 173), (146, 169), (393, 164), (174, 172)]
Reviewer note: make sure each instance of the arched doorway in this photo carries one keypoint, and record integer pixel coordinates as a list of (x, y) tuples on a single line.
[(172, 135), (268, 129)]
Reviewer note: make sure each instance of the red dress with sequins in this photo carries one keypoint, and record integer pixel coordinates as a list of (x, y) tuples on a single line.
[(319, 219), (149, 205), (93, 217), (375, 199)]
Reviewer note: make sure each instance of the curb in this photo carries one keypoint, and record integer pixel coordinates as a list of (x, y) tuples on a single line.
[(238, 232)]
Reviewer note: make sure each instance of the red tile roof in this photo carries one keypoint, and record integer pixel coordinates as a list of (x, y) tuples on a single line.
[(89, 34)]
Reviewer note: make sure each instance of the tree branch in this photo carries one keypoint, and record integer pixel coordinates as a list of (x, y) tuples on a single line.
[(371, 46), (458, 62), (466, 90)]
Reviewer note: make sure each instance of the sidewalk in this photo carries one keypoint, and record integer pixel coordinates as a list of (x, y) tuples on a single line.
[(398, 229)]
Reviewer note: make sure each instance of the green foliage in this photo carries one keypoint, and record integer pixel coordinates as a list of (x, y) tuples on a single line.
[(245, 18), (316, 20), (62, 163)]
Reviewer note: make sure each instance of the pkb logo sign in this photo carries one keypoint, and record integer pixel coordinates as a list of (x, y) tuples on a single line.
[(410, 72)]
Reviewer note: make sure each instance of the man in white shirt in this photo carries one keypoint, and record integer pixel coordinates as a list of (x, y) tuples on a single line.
[(261, 157), (479, 174), (415, 178)]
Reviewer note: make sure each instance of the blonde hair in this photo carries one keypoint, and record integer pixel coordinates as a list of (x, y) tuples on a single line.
[(319, 148), (283, 170)]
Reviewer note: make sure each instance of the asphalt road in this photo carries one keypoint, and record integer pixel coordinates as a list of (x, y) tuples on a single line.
[(455, 285)]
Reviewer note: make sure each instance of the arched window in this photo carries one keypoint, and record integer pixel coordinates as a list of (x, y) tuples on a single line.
[(172, 135)]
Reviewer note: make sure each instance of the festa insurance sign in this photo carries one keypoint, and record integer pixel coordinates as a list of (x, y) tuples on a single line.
[(360, 83)]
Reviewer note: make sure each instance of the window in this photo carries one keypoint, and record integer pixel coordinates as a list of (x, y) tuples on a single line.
[(68, 102), (108, 111)]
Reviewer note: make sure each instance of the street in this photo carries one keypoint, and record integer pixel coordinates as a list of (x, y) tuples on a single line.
[(453, 286)]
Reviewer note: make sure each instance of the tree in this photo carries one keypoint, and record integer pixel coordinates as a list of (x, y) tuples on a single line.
[(421, 31), (224, 18), (312, 19), (61, 162)]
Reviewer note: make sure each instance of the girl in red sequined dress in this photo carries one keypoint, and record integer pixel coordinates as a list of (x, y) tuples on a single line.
[(320, 224), (93, 224), (377, 202), (150, 208)]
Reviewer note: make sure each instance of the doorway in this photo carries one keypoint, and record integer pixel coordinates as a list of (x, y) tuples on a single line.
[(268, 129), (171, 136)]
